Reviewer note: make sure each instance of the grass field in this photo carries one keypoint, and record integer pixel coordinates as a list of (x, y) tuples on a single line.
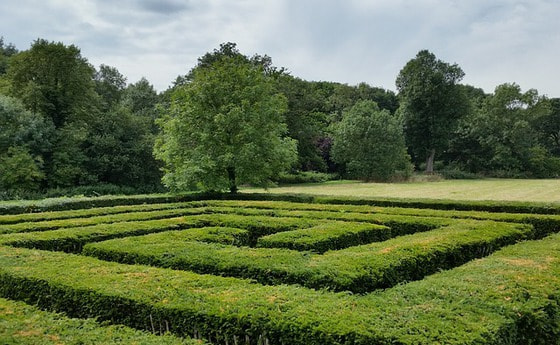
[(487, 189)]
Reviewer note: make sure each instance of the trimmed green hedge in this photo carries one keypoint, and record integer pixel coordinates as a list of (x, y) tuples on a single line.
[(59, 204), (62, 204), (511, 297), (23, 324), (73, 239), (98, 220), (358, 269), (544, 224), (330, 236), (483, 205), (89, 212), (399, 224)]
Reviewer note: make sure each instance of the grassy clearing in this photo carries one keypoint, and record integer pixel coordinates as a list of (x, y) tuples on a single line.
[(486, 189)]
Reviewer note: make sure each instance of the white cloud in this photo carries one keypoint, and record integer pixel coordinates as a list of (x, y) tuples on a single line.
[(347, 41)]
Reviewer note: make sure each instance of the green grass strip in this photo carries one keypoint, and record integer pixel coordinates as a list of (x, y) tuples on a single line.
[(22, 324), (358, 269), (330, 236), (511, 297)]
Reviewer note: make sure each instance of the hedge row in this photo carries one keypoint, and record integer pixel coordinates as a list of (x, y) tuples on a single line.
[(358, 269), (89, 212), (73, 239), (214, 234), (98, 220), (511, 297), (329, 236), (26, 325), (62, 204), (109, 201), (544, 224), (474, 205), (399, 224)]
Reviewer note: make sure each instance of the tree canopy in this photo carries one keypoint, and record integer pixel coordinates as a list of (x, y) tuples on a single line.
[(431, 104), (225, 127), (370, 142), (235, 119)]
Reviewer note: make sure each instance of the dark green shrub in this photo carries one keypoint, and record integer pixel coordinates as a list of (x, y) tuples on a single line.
[(23, 324), (359, 269), (304, 177), (328, 236), (514, 291)]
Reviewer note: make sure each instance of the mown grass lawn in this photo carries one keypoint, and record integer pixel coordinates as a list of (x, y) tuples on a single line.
[(485, 189)]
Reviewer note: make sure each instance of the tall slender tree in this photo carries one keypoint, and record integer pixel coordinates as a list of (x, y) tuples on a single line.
[(431, 104)]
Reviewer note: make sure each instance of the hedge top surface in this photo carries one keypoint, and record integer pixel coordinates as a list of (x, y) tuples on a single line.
[(495, 300), (15, 207), (27, 325)]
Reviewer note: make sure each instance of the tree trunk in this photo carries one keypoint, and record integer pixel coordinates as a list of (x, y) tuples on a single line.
[(430, 162), (232, 184)]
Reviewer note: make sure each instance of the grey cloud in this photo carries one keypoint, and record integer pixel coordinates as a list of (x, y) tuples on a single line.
[(165, 7), (348, 41)]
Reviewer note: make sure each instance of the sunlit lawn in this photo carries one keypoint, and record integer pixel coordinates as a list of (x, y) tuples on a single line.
[(487, 189)]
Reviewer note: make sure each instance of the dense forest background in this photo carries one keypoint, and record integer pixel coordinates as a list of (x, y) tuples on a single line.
[(68, 127)]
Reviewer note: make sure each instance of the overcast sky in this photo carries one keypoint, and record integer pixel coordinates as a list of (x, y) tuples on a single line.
[(349, 41)]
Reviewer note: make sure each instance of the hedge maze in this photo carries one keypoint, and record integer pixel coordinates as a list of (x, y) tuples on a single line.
[(266, 272)]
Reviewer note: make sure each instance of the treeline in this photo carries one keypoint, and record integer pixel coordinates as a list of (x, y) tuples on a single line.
[(65, 124)]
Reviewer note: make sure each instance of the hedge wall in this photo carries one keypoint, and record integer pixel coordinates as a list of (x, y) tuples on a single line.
[(26, 325), (358, 269), (511, 297)]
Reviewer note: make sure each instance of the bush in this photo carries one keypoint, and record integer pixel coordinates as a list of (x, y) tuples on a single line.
[(19, 171), (542, 164), (515, 291), (23, 324), (101, 219), (304, 177), (370, 143), (73, 239), (329, 236), (455, 173), (358, 269), (88, 212)]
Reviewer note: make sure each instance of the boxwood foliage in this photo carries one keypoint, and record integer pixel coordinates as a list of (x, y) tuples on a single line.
[(88, 212), (27, 325), (358, 269), (58, 204), (511, 297), (104, 219), (328, 236), (73, 239), (544, 223)]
